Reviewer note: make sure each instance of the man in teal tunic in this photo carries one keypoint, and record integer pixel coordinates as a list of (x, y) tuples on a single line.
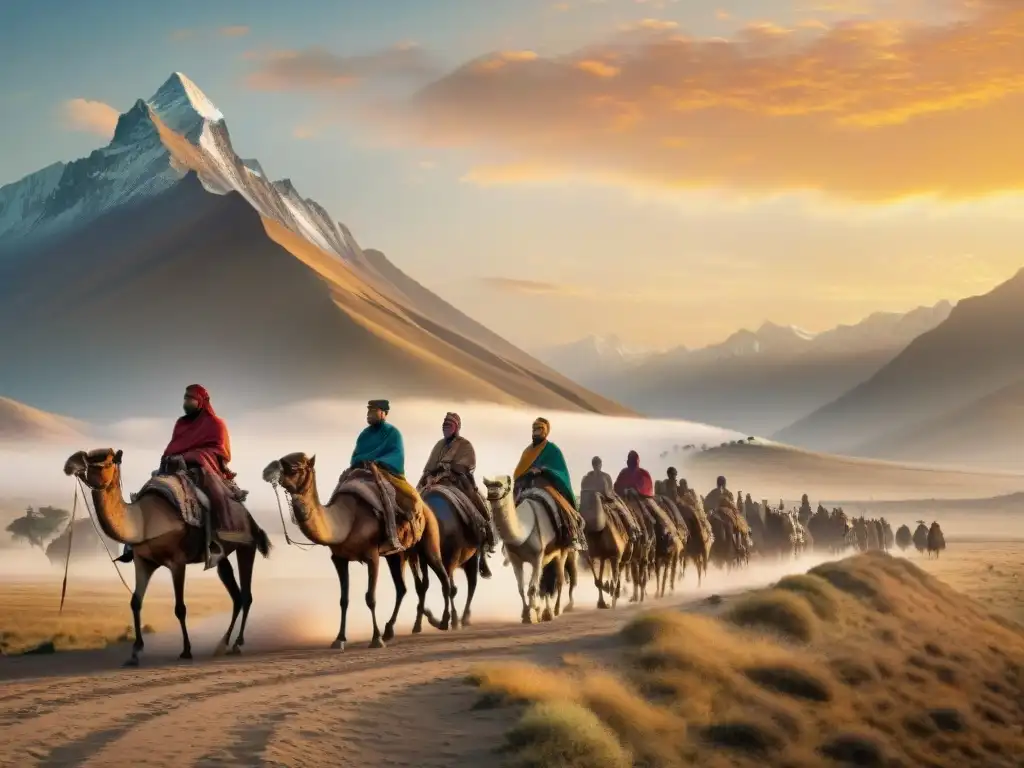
[(381, 444), (542, 463)]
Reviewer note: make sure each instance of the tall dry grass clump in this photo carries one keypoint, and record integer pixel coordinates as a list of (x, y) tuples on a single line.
[(867, 661)]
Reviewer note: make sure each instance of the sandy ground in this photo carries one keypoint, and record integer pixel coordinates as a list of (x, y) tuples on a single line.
[(291, 702)]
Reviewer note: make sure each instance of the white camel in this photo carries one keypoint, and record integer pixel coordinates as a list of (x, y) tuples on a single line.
[(529, 536)]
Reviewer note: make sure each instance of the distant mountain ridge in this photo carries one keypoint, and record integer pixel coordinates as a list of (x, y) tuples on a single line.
[(976, 352), (754, 381), (165, 258)]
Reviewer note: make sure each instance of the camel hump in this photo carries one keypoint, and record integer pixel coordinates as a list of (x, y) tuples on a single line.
[(463, 507), (178, 490)]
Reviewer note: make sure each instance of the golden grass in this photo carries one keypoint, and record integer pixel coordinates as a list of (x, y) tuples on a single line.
[(94, 616), (866, 661), (990, 572)]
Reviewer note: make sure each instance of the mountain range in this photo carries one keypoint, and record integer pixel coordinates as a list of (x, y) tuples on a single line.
[(755, 381), (955, 393), (165, 258)]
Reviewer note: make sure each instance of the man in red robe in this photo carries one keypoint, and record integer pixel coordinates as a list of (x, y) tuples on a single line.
[(200, 440), (634, 477)]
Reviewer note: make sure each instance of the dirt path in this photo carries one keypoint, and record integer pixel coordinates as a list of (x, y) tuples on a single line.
[(405, 705)]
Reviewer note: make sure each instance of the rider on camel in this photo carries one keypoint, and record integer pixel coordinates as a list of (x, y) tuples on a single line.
[(633, 477), (452, 462), (201, 442), (543, 461), (380, 445), (598, 480)]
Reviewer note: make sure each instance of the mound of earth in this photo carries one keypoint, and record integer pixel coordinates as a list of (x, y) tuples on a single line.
[(867, 661)]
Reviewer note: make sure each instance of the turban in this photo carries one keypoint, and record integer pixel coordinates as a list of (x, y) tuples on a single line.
[(453, 420), (198, 393), (382, 405)]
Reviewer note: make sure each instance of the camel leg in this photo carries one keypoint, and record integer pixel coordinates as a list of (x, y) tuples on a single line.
[(533, 593), (178, 580), (432, 555), (472, 570), (616, 579), (246, 561), (453, 591), (559, 584), (372, 572), (517, 569), (396, 564), (144, 570), (599, 581), (571, 563), (227, 578), (421, 580), (341, 566)]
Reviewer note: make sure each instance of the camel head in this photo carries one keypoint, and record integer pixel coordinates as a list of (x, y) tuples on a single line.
[(498, 487), (294, 472), (99, 469)]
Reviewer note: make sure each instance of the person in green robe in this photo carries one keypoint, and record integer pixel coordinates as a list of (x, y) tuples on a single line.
[(542, 463)]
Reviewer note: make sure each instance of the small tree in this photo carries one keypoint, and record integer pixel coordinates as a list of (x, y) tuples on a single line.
[(37, 526)]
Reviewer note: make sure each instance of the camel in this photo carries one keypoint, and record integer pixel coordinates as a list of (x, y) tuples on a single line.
[(529, 535), (732, 542), (783, 538), (830, 531), (159, 537), (903, 538), (887, 537), (459, 549), (350, 528), (936, 541), (607, 545), (669, 544), (921, 537), (700, 539)]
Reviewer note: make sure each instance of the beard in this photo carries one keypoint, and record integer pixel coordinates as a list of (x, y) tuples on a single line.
[(538, 439), (191, 410)]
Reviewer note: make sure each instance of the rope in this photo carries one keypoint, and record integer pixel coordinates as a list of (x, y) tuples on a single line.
[(284, 526), (67, 559), (100, 535)]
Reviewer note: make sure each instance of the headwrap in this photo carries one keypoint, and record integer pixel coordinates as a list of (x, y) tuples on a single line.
[(452, 423), (198, 393), (382, 405), (544, 424), (721, 481)]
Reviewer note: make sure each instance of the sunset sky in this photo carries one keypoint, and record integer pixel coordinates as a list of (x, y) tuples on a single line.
[(664, 170)]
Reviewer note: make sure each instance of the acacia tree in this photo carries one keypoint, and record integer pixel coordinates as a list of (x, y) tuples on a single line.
[(36, 526)]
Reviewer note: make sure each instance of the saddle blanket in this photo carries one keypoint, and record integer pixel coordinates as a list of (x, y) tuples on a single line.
[(463, 507)]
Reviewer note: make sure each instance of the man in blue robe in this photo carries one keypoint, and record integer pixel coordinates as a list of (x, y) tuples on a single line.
[(381, 444)]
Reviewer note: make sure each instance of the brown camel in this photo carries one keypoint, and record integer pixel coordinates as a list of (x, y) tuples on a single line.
[(921, 537), (607, 545), (159, 537), (936, 541), (732, 542), (350, 529), (700, 538), (903, 538), (460, 548)]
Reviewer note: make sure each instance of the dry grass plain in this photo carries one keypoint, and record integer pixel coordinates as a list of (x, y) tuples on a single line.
[(868, 661), (94, 616)]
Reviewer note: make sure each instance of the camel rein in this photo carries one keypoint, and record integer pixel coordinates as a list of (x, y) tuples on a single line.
[(71, 534), (284, 526)]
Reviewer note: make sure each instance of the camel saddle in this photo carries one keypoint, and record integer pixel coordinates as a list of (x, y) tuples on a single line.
[(371, 486), (550, 501), (621, 517), (463, 507), (183, 493)]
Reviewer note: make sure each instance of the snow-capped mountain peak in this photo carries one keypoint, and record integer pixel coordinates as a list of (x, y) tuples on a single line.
[(143, 160), (183, 107)]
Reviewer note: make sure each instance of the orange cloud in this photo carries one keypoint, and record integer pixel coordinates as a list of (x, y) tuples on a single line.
[(237, 30), (316, 69), (90, 116), (868, 111)]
